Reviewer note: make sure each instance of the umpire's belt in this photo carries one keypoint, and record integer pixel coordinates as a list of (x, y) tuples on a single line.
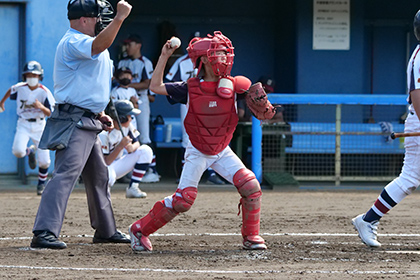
[(69, 108)]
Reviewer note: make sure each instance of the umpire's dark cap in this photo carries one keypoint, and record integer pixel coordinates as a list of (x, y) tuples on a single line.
[(82, 8)]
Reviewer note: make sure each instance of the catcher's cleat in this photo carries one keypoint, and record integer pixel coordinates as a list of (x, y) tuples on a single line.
[(139, 242), (31, 157), (367, 231), (254, 242)]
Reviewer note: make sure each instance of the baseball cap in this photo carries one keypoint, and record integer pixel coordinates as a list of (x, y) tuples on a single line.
[(133, 38), (123, 70)]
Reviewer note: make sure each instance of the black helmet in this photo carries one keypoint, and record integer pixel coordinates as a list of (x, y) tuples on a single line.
[(416, 25), (91, 8), (123, 108), (33, 67)]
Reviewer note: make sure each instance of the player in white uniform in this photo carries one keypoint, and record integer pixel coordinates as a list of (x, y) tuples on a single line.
[(124, 76), (34, 103), (142, 69), (137, 158), (409, 179), (182, 70)]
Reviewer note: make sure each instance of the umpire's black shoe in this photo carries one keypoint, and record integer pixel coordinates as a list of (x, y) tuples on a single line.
[(118, 237), (47, 240)]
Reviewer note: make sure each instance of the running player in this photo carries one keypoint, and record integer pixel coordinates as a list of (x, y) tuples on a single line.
[(409, 179), (34, 103)]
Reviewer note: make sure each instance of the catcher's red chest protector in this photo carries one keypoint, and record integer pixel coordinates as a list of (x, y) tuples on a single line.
[(211, 120)]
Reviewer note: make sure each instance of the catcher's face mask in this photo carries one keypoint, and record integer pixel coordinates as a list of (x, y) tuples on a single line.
[(220, 54), (217, 48), (104, 17)]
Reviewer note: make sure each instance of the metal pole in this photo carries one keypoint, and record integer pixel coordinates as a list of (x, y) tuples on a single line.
[(256, 148), (337, 144)]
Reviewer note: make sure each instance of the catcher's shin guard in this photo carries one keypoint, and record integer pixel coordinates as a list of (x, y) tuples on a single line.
[(183, 199), (159, 216), (250, 190)]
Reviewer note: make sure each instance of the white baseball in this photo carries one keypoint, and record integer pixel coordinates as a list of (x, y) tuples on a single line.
[(1, 110), (175, 42)]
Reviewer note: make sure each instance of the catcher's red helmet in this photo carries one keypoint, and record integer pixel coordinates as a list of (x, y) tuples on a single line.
[(210, 46)]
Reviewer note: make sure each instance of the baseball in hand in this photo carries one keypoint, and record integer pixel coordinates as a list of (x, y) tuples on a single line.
[(1, 110), (175, 42)]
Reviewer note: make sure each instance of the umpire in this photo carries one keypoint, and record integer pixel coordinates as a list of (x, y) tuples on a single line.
[(82, 82)]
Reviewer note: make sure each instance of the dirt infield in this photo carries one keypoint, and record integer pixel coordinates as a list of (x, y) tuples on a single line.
[(308, 233)]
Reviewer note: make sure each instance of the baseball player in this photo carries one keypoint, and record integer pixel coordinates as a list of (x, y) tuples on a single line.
[(34, 103), (137, 158), (182, 70), (123, 76), (409, 179), (142, 69), (210, 122), (123, 92)]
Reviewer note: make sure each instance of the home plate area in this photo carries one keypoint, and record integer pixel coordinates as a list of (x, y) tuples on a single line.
[(308, 233)]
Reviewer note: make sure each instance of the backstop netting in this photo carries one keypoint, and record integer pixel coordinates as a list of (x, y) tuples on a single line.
[(340, 138)]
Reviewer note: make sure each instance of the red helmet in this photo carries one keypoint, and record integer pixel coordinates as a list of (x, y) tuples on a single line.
[(209, 46)]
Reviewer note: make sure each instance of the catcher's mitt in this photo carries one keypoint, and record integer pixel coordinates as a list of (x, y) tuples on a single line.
[(257, 102)]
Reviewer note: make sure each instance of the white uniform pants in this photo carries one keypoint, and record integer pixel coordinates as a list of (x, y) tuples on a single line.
[(126, 163), (183, 110), (409, 178), (143, 119), (26, 131), (226, 164)]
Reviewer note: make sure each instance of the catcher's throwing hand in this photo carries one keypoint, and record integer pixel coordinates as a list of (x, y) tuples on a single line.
[(258, 103)]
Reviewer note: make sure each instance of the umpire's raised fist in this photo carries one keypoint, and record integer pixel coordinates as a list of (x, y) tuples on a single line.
[(123, 10)]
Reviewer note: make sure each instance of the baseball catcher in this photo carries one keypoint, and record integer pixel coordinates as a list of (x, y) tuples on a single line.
[(210, 122)]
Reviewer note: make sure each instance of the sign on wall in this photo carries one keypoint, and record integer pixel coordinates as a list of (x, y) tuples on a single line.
[(331, 27)]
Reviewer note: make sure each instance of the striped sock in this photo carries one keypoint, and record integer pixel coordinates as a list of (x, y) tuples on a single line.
[(153, 164), (42, 175), (138, 172), (382, 205)]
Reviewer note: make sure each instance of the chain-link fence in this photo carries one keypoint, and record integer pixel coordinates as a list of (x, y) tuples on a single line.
[(343, 140)]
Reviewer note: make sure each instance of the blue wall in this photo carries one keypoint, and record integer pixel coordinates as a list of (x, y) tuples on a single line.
[(272, 38), (381, 39), (9, 56)]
